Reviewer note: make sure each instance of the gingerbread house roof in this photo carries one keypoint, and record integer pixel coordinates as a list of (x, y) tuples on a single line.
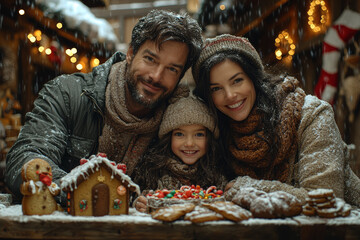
[(79, 174)]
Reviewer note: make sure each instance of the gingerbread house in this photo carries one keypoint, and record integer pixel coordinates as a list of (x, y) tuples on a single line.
[(98, 187)]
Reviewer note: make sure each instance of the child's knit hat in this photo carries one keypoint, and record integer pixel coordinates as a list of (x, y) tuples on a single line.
[(226, 42), (187, 111)]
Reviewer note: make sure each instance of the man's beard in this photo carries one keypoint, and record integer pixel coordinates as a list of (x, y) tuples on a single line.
[(139, 97)]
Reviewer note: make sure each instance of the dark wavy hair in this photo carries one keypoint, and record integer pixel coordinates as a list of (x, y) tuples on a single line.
[(154, 162), (161, 26), (264, 83)]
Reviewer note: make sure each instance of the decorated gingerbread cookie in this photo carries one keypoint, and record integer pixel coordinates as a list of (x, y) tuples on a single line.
[(38, 188)]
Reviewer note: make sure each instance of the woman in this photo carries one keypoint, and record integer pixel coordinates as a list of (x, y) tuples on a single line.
[(276, 136)]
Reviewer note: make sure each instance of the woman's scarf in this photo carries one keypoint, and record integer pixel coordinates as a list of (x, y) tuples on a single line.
[(250, 147)]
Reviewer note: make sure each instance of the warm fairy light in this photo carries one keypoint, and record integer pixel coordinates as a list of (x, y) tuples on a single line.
[(41, 49), (37, 34), (73, 59), (324, 18), (96, 62), (59, 25), (284, 45), (222, 7), (21, 12), (74, 50), (79, 66), (69, 52), (48, 51), (32, 39)]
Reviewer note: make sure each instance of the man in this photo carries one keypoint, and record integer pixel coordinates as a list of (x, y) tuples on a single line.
[(115, 109)]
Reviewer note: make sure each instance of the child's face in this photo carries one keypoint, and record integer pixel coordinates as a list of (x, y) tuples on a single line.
[(189, 143)]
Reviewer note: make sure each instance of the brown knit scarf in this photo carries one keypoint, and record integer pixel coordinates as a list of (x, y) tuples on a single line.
[(125, 137), (250, 147), (179, 173)]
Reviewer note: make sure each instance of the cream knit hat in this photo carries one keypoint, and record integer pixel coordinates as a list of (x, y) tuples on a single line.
[(226, 42), (187, 111)]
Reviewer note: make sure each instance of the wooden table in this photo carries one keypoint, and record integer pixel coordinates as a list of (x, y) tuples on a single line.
[(14, 225)]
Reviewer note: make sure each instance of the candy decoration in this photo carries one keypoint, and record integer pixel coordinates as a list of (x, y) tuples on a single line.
[(45, 178), (83, 205), (117, 203), (121, 167), (187, 192), (82, 161), (335, 39), (121, 190), (68, 203), (100, 154), (101, 178), (210, 189)]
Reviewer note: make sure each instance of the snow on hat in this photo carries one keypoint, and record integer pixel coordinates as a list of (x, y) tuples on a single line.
[(226, 42), (187, 111)]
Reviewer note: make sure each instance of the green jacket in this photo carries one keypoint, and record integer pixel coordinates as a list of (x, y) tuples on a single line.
[(64, 125)]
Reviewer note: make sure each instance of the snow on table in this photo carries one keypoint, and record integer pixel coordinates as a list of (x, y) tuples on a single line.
[(136, 225)]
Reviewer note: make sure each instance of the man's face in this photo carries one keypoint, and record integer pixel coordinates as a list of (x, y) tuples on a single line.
[(153, 73)]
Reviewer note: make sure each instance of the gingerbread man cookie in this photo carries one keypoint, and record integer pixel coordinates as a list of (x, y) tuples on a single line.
[(38, 188)]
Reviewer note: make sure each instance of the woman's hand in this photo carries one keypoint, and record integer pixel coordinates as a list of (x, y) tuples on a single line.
[(141, 204), (228, 186)]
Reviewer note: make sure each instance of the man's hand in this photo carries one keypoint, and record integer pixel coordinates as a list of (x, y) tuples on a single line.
[(141, 204)]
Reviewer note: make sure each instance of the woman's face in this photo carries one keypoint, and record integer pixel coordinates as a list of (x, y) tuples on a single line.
[(189, 143), (232, 91)]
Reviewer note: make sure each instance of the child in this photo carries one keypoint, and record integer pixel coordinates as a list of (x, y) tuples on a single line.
[(185, 152)]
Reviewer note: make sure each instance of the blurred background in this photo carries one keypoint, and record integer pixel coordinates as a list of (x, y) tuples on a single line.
[(41, 39)]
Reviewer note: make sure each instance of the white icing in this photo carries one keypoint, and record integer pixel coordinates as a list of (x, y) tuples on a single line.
[(93, 164), (32, 186)]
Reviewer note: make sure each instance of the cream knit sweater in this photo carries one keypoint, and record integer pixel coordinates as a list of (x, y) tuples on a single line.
[(321, 160)]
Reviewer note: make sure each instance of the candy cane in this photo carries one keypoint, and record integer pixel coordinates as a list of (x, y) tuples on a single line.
[(210, 189), (343, 30)]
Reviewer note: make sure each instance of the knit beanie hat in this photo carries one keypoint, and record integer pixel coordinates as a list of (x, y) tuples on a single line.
[(226, 42), (187, 111)]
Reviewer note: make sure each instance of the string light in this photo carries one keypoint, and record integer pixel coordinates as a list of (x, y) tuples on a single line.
[(48, 51), (79, 66), (31, 37), (284, 46), (21, 12), (73, 59), (59, 25), (324, 18), (37, 34), (94, 62)]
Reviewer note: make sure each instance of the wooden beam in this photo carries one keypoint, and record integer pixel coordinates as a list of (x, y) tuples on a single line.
[(269, 8)]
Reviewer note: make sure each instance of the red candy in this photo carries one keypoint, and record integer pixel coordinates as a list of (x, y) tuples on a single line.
[(122, 167), (82, 161), (100, 154)]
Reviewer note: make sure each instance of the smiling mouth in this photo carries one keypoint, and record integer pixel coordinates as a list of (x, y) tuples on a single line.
[(189, 152), (151, 88), (236, 105)]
